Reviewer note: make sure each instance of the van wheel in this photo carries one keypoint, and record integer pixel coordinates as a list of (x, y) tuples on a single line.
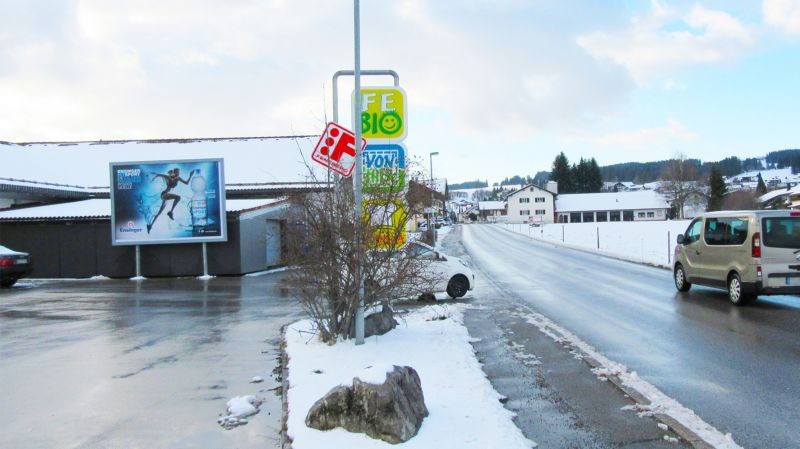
[(736, 292), (680, 279), (458, 286)]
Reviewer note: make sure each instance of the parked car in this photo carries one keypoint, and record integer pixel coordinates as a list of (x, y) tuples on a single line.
[(13, 265), (422, 226), (748, 253), (453, 275)]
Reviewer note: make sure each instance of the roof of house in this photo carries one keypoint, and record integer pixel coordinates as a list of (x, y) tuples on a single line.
[(579, 202), (86, 164), (778, 192), (529, 185), (491, 205), (101, 209)]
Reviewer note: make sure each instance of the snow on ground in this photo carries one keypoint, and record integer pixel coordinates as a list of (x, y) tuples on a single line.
[(660, 403), (238, 409), (465, 411), (651, 242)]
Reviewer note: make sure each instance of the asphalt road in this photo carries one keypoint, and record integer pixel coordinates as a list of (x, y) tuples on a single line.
[(151, 364), (737, 368)]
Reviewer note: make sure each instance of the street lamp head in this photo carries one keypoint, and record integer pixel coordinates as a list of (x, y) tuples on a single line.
[(434, 153)]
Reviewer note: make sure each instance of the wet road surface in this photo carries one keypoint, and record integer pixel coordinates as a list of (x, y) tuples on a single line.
[(736, 367), (558, 401), (151, 364)]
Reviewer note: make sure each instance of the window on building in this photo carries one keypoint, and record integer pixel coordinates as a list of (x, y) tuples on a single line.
[(651, 215), (640, 214), (614, 216), (524, 200), (541, 212), (602, 216), (540, 199), (588, 217), (574, 217), (525, 212), (627, 215)]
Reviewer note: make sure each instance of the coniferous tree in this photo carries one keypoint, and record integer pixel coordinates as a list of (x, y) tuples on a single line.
[(594, 182), (579, 175), (562, 174), (761, 188), (718, 189)]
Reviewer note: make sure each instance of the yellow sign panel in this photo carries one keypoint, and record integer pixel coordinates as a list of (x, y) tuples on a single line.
[(388, 220), (383, 113)]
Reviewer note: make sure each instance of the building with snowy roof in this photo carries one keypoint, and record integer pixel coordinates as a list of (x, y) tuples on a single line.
[(532, 204), (54, 204), (644, 205)]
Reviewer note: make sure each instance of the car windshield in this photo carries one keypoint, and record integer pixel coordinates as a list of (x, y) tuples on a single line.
[(419, 251), (781, 232)]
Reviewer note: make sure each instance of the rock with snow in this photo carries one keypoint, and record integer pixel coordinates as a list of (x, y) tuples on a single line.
[(392, 411), (256, 380), (238, 409), (377, 323)]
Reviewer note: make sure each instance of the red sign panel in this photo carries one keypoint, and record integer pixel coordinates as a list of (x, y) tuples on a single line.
[(336, 149)]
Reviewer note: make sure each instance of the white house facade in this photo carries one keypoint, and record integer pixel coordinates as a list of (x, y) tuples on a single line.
[(645, 205), (532, 204)]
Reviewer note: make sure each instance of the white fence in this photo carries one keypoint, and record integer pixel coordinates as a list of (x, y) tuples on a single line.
[(651, 242)]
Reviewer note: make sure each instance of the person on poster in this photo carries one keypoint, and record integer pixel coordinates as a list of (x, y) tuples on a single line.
[(172, 178)]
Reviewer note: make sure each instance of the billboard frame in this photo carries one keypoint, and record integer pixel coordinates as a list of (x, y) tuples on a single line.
[(220, 201)]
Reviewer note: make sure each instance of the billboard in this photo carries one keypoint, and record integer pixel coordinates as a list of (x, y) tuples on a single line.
[(179, 201)]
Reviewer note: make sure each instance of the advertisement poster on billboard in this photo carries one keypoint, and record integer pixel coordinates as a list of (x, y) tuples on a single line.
[(156, 202)]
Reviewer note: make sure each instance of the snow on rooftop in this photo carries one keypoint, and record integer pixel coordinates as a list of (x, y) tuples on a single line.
[(491, 205), (261, 159), (779, 192), (101, 208), (577, 202)]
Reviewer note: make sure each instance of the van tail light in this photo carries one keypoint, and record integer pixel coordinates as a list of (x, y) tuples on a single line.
[(756, 249), (6, 261), (759, 273)]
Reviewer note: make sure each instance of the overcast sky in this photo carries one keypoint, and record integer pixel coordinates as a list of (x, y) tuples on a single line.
[(497, 87)]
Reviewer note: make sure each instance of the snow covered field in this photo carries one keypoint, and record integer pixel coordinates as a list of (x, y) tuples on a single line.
[(465, 411), (651, 242)]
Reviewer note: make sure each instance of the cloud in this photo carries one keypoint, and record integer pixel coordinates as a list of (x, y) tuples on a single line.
[(638, 139), (174, 68), (783, 14), (663, 41)]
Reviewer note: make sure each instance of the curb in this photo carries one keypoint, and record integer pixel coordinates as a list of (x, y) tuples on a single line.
[(684, 432)]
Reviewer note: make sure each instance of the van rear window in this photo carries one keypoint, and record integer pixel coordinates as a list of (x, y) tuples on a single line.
[(781, 232)]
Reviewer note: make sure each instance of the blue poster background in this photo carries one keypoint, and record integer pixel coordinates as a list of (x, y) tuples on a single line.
[(167, 202)]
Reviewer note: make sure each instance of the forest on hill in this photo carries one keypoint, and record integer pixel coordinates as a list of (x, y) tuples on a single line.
[(643, 172)]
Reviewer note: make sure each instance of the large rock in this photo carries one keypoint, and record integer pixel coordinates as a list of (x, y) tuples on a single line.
[(377, 323), (392, 411)]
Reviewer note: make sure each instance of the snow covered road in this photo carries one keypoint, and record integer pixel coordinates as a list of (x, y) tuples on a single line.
[(735, 367)]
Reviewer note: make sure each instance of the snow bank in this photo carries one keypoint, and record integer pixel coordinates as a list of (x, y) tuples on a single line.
[(465, 411), (651, 242)]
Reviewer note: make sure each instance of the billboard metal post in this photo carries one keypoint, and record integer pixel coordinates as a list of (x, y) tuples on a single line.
[(205, 260), (357, 194), (138, 261)]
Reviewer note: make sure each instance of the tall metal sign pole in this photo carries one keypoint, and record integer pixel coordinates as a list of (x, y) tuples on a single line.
[(357, 194)]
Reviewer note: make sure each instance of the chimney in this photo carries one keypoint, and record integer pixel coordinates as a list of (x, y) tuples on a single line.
[(552, 186)]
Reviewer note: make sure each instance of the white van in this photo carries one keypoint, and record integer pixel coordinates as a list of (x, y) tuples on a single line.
[(748, 253)]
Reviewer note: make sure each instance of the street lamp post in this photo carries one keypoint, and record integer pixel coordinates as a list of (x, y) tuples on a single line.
[(431, 224)]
